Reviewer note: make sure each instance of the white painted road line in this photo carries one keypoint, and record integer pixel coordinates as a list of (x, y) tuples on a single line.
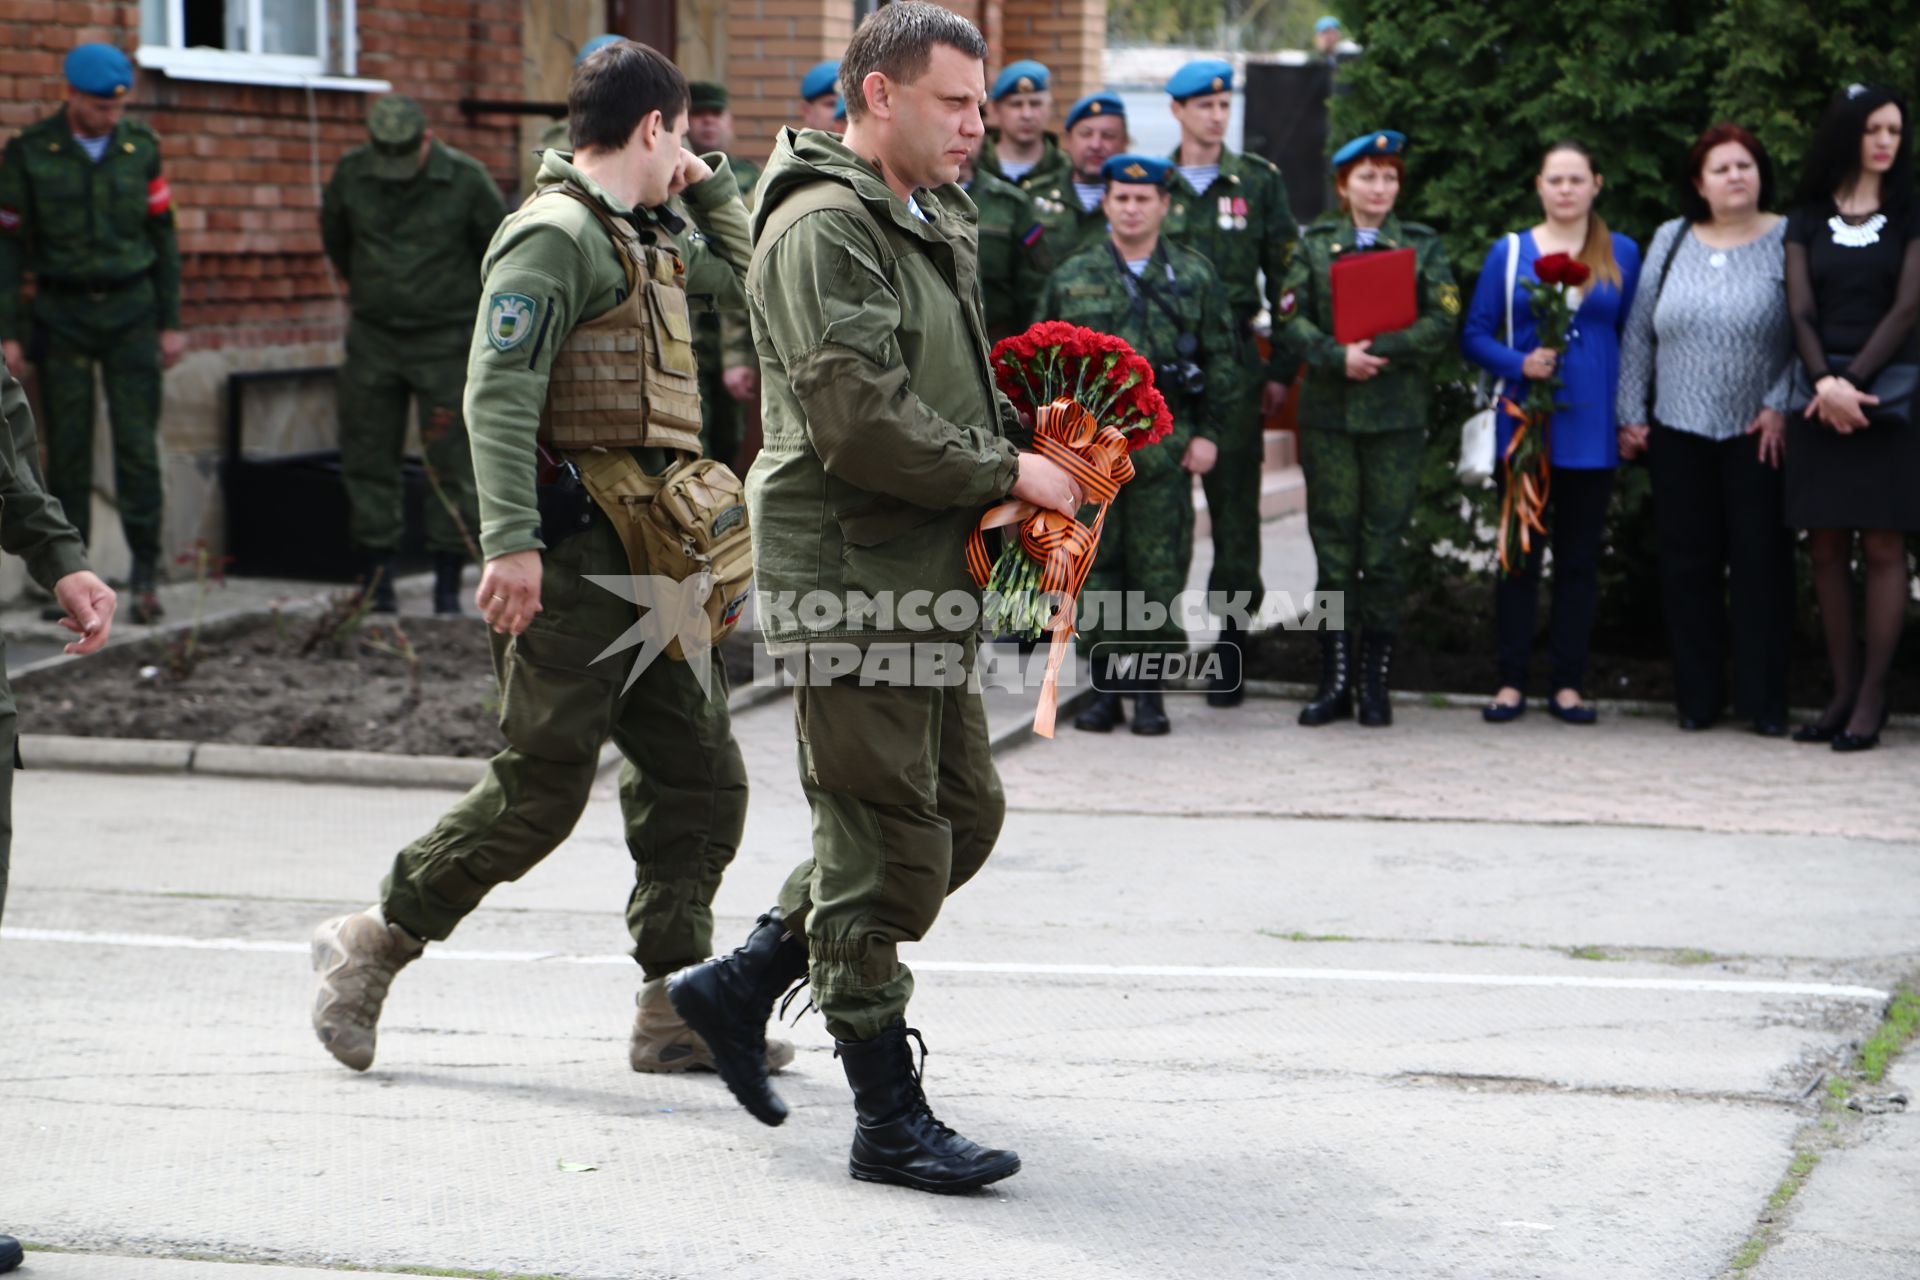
[(1822, 990)]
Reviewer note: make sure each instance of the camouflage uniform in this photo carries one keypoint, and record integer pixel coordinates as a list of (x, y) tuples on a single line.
[(1147, 543), (100, 242), (1242, 224), (410, 252), (1052, 169), (1362, 443), (1014, 258), (722, 341), (1069, 228)]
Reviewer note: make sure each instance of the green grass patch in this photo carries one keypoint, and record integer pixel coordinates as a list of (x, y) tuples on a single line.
[(1439, 700), (1896, 1029), (1588, 953), (1694, 955), (1297, 935), (1756, 1244)]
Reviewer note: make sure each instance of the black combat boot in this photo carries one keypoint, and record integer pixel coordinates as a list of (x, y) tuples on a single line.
[(376, 576), (896, 1137), (1149, 713), (446, 581), (143, 585), (11, 1254), (728, 1000), (1104, 712), (1376, 659), (1333, 700), (1225, 688)]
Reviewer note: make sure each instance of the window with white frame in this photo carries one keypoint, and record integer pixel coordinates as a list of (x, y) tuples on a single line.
[(253, 41)]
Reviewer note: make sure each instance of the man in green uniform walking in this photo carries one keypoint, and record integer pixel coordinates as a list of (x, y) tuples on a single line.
[(33, 526), (582, 285), (1233, 209), (1170, 307), (86, 209), (1070, 206), (722, 343), (885, 441), (1019, 147), (406, 220), (1013, 252)]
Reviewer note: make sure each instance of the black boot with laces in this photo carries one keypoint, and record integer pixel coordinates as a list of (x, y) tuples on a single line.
[(896, 1137)]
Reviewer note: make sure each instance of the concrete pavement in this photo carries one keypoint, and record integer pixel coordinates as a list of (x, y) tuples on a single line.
[(1250, 1000)]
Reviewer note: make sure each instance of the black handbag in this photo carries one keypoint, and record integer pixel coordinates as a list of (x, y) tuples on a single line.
[(1895, 385)]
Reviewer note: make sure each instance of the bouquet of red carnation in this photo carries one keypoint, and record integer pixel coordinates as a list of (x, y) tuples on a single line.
[(1092, 402), (1554, 298)]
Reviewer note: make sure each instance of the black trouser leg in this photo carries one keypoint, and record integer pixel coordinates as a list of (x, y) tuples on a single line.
[(1579, 522), (1691, 522), (1760, 581), (1516, 613)]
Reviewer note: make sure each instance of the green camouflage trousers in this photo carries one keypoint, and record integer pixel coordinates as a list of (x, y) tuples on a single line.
[(720, 416), (906, 807), (386, 370), (1361, 487), (1233, 497), (683, 786), (123, 338), (1146, 548)]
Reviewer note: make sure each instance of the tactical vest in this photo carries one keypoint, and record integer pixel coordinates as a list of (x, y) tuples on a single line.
[(628, 378)]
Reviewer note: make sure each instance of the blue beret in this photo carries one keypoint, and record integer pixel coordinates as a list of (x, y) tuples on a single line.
[(1328, 23), (819, 80), (1104, 103), (1022, 77), (839, 107), (594, 46), (1147, 171), (99, 69), (1381, 142), (1203, 75)]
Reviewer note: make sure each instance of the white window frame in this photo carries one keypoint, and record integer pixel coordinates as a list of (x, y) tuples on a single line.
[(332, 68)]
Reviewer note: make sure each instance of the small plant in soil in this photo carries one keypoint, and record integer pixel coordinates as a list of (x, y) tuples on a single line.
[(401, 647), (209, 571)]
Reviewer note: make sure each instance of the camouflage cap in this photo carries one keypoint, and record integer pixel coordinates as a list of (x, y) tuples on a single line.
[(395, 123), (705, 95)]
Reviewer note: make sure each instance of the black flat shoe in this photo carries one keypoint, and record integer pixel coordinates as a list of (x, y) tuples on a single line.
[(1820, 731), (1503, 712), (1695, 724), (1578, 713), (1770, 728), (1844, 741)]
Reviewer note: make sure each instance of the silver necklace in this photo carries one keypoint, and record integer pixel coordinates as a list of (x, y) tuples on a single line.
[(1849, 236)]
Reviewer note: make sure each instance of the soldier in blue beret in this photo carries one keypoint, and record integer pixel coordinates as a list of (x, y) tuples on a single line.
[(820, 104), (1166, 302), (1233, 210), (1069, 205), (1018, 147), (85, 207), (1363, 421)]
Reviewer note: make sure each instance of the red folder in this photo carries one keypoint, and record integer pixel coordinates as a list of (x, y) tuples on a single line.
[(1373, 293)]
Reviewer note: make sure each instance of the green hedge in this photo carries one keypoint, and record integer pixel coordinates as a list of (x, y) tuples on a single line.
[(1480, 90)]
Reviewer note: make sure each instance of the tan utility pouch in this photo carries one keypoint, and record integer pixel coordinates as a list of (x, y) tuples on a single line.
[(689, 523)]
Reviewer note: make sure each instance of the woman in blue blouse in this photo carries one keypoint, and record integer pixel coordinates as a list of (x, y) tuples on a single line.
[(1584, 448)]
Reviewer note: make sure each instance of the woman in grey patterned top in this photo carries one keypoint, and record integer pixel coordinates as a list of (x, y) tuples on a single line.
[(1706, 368)]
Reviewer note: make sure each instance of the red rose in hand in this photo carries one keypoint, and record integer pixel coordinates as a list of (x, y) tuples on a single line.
[(1576, 273), (1553, 268)]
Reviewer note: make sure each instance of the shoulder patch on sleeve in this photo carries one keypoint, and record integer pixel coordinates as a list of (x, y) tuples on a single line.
[(510, 319), (159, 197), (1450, 299)]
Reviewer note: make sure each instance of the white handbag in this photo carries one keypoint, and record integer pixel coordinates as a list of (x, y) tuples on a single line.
[(1479, 433)]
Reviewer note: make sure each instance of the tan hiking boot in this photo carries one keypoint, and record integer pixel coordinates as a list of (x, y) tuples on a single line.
[(662, 1042), (356, 957)]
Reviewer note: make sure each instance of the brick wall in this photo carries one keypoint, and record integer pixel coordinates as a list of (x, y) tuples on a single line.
[(1070, 36), (246, 163)]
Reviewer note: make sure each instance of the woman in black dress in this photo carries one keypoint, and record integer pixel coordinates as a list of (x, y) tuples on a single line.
[(1853, 463)]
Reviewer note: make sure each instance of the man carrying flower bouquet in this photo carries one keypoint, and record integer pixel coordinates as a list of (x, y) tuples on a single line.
[(1169, 305), (885, 440)]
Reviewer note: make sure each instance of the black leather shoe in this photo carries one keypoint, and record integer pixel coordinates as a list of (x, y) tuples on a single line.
[(1226, 688), (11, 1254), (1333, 700), (728, 1000), (1498, 712), (1376, 662), (1695, 724), (896, 1137), (1149, 713), (1844, 741), (446, 581), (1101, 714), (1770, 728)]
